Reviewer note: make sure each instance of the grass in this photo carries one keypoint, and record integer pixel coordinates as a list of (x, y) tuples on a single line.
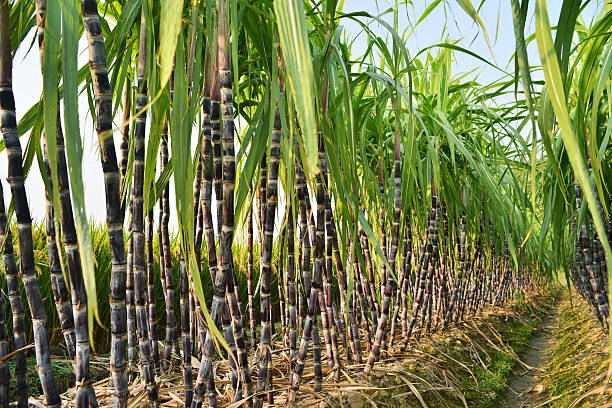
[(102, 269), (493, 377), (64, 374), (576, 370), (468, 361)]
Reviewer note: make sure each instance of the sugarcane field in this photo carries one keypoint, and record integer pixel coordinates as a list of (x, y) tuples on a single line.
[(309, 203)]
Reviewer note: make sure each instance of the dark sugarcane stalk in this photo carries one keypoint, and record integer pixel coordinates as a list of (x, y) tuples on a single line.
[(383, 239), (239, 340), (335, 324), (311, 287), (425, 323), (132, 336), (240, 313), (576, 274), (597, 281), (482, 264), (171, 329), (114, 215), (22, 212), (465, 285), (316, 358), (331, 248), (318, 258), (250, 278), (231, 355), (353, 329), (58, 283), (185, 334), (303, 242), (367, 283), (14, 295), (444, 274), (229, 179), (609, 220), (331, 320), (197, 182), (390, 284), (453, 300), (407, 271), (152, 320), (138, 238), (304, 238), (424, 273), (326, 323), (336, 251), (205, 379), (5, 372), (124, 147), (580, 246), (226, 216), (266, 259), (193, 328), (217, 158), (199, 228), (84, 395), (262, 193), (291, 298), (419, 266), (598, 268), (467, 273), (474, 285), (371, 286), (162, 273), (199, 235), (398, 294), (363, 302), (299, 288), (282, 283), (326, 319)]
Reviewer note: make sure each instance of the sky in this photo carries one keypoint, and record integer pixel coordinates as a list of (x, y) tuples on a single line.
[(447, 21)]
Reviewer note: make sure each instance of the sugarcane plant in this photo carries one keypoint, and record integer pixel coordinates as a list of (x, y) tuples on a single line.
[(377, 197)]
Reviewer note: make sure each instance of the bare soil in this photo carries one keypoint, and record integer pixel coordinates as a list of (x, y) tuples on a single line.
[(523, 386)]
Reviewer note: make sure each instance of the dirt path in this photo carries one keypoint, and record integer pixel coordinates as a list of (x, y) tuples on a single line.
[(523, 385)]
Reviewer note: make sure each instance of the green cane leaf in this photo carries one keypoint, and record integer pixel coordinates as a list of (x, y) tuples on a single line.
[(556, 92), (170, 27), (300, 73), (74, 153)]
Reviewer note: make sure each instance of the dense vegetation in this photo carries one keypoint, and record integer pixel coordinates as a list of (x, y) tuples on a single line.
[(397, 198)]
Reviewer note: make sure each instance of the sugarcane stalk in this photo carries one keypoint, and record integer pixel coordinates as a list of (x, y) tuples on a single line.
[(250, 278), (205, 379), (185, 332), (291, 298), (14, 295), (267, 259), (390, 284), (114, 215), (165, 254), (140, 286), (124, 147), (5, 372), (58, 283), (152, 320), (132, 336), (22, 212)]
